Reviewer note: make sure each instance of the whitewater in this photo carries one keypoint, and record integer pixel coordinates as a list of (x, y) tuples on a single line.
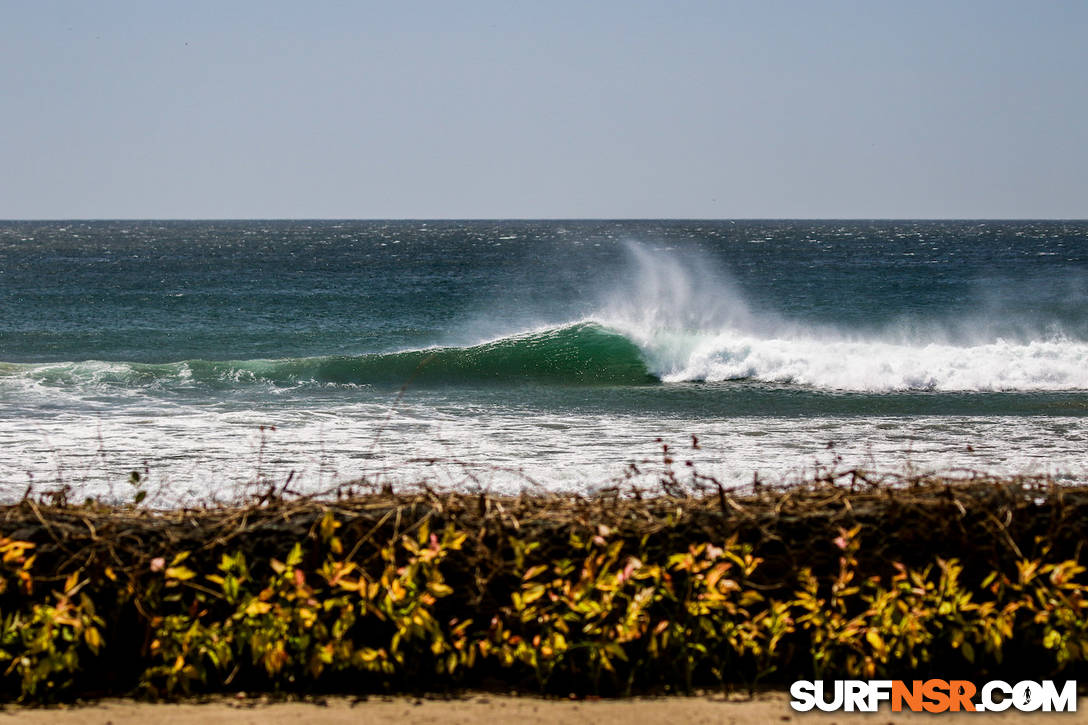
[(215, 357)]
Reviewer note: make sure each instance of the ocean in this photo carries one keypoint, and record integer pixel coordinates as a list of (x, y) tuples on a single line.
[(213, 357)]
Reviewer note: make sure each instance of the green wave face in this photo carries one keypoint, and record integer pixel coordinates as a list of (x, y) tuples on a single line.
[(578, 354), (583, 353)]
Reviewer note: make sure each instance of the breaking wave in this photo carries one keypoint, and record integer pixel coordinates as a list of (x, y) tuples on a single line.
[(596, 353)]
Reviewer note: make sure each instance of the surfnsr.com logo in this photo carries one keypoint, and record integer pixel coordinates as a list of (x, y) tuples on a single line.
[(933, 696)]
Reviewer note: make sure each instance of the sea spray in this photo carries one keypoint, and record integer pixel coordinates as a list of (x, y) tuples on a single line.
[(691, 322)]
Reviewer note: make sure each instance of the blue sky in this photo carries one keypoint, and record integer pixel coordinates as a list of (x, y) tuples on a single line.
[(546, 109)]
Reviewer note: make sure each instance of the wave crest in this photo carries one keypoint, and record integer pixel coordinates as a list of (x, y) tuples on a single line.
[(581, 353)]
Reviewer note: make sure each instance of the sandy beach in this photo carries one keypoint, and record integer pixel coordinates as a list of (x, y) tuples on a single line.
[(488, 709)]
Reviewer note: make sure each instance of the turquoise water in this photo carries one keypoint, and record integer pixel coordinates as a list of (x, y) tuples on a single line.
[(553, 353)]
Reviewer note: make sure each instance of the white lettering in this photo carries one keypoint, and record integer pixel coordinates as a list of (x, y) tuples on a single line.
[(1027, 696), (1064, 701), (836, 701), (803, 693), (879, 690), (988, 701), (855, 697)]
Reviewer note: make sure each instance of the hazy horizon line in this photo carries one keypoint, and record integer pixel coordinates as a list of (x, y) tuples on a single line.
[(548, 219)]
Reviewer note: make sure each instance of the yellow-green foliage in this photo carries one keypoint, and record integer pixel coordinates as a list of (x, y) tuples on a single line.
[(610, 616)]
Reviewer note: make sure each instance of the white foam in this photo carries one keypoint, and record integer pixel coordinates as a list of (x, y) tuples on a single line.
[(868, 365), (200, 454), (693, 325)]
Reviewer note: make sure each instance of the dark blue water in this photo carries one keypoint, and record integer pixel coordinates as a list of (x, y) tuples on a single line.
[(560, 349)]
